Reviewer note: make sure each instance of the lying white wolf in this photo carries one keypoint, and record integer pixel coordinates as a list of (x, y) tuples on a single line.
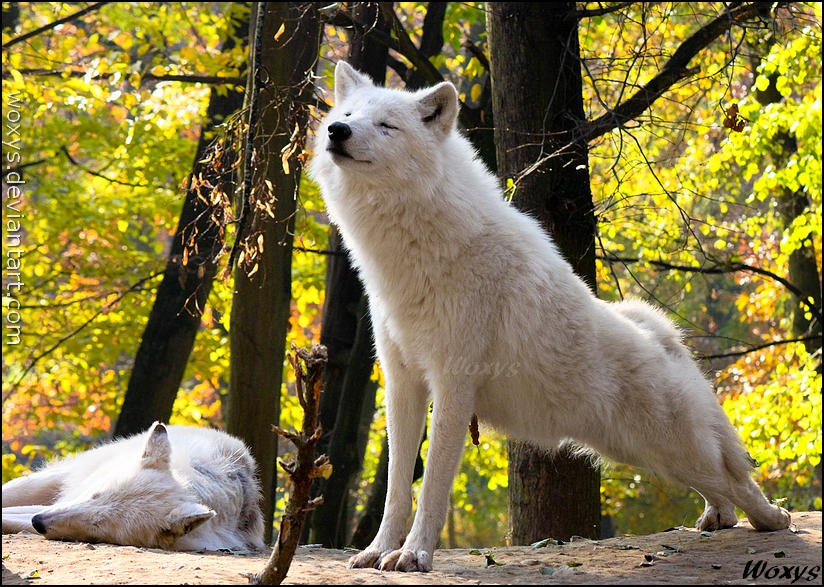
[(456, 276), (172, 487)]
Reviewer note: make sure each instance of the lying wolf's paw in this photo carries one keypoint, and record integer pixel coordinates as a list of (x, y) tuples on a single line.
[(407, 561)]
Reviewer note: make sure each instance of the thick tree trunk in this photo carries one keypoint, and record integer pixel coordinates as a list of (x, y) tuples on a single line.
[(181, 297), (538, 104), (346, 331), (261, 302)]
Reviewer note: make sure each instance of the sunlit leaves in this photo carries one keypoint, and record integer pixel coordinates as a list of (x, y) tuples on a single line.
[(100, 207), (774, 399)]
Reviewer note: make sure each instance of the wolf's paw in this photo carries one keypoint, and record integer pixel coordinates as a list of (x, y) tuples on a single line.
[(714, 518), (367, 559), (407, 561), (778, 519)]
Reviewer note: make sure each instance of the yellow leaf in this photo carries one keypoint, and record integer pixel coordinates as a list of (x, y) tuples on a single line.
[(281, 30)]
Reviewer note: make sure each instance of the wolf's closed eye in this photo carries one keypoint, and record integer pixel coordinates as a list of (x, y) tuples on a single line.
[(389, 126)]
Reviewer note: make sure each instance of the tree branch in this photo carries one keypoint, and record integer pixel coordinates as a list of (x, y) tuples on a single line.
[(184, 78), (76, 163), (477, 53), (408, 49), (54, 24), (759, 347), (676, 69), (308, 366), (579, 14), (718, 268), (254, 98), (134, 287), (343, 19)]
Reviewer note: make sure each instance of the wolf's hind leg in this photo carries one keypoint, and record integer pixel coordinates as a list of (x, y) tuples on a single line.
[(724, 480), (718, 513), (763, 515)]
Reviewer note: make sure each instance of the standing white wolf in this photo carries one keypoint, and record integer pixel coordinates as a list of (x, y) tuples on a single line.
[(172, 487), (455, 275)]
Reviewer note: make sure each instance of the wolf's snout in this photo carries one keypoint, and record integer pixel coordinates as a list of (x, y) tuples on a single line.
[(339, 132), (37, 524)]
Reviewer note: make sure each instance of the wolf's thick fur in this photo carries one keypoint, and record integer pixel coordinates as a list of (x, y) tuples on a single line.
[(459, 281), (172, 487)]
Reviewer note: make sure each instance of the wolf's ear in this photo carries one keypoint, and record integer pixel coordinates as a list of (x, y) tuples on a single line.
[(347, 80), (187, 517), (439, 106), (157, 451)]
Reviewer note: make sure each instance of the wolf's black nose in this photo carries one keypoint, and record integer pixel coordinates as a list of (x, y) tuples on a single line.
[(37, 523), (339, 132)]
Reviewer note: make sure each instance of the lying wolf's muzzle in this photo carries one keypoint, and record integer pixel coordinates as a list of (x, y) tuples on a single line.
[(37, 523)]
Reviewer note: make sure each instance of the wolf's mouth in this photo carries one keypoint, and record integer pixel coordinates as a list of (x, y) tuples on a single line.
[(338, 152)]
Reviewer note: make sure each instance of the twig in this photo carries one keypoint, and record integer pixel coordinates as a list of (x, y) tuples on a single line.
[(254, 94), (719, 268), (308, 366), (135, 286), (54, 24)]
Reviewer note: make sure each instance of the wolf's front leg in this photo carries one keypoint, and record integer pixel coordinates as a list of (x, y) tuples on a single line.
[(18, 518), (406, 405), (450, 416)]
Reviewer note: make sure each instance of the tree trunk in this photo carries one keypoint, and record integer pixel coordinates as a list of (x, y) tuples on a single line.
[(538, 103), (346, 331), (181, 297), (261, 302)]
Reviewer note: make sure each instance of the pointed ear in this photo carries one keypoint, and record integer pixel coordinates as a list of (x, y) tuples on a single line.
[(439, 106), (348, 80), (157, 451), (187, 517)]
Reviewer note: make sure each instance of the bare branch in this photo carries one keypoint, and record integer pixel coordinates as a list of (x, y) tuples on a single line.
[(76, 163), (676, 69), (759, 347), (343, 19), (254, 97), (579, 14), (148, 77), (476, 53), (309, 367), (718, 268), (106, 308), (408, 49), (54, 24)]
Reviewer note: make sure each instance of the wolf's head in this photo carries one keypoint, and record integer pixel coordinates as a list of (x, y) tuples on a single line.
[(146, 507), (379, 134)]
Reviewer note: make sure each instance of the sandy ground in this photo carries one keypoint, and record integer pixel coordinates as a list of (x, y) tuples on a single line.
[(679, 556)]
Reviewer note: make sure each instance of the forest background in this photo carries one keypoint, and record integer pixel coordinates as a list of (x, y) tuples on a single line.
[(704, 203)]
